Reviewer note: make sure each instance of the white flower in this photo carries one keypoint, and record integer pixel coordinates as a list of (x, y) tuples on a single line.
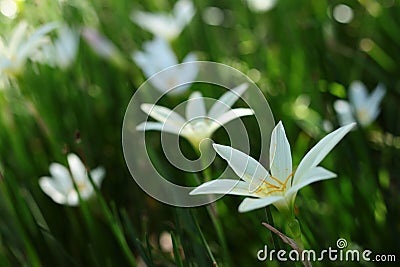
[(362, 108), (259, 6), (157, 56), (103, 47), (198, 124), (166, 25), (60, 187), (21, 46), (280, 184), (62, 52)]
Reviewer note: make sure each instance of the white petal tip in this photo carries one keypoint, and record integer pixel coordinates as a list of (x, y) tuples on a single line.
[(351, 125), (194, 192), (141, 127), (242, 87), (195, 94), (146, 107), (217, 146)]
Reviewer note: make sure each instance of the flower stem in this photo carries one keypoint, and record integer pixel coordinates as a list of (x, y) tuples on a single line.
[(212, 209), (294, 230), (275, 240), (203, 239), (270, 221)]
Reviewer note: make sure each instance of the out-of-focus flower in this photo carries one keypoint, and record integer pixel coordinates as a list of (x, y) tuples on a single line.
[(21, 46), (9, 8), (103, 46), (280, 184), (259, 6), (166, 243), (361, 107), (157, 56), (343, 13), (64, 182), (198, 124), (62, 52), (166, 25)]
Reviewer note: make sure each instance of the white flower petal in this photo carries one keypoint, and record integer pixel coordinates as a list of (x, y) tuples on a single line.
[(166, 25), (35, 40), (98, 175), (226, 101), (374, 101), (72, 198), (243, 165), (157, 56), (17, 37), (61, 177), (53, 190), (157, 126), (358, 94), (344, 111), (280, 156), (160, 53), (183, 11), (319, 152), (164, 115), (233, 114), (223, 186), (313, 175), (161, 25), (77, 168), (99, 43), (195, 107), (249, 204), (140, 58), (377, 95), (190, 58)]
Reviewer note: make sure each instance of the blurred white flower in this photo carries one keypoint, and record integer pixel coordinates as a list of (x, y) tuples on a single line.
[(361, 107), (259, 6), (157, 56), (166, 243), (9, 8), (198, 124), (62, 184), (103, 47), (62, 52), (166, 25), (343, 13), (280, 184), (21, 46)]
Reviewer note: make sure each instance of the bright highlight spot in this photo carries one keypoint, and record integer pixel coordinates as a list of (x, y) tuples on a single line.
[(254, 74), (213, 16), (8, 8), (342, 13), (366, 44), (166, 242), (261, 5)]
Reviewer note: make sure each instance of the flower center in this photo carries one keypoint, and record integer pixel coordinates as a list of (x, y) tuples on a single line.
[(268, 188), (362, 116), (171, 82)]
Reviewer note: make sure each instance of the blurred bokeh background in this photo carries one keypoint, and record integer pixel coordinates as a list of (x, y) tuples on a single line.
[(61, 95)]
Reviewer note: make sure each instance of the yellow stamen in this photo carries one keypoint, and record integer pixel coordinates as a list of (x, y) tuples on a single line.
[(276, 179), (275, 188)]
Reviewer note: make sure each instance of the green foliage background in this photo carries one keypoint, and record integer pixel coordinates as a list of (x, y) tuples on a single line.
[(300, 57)]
